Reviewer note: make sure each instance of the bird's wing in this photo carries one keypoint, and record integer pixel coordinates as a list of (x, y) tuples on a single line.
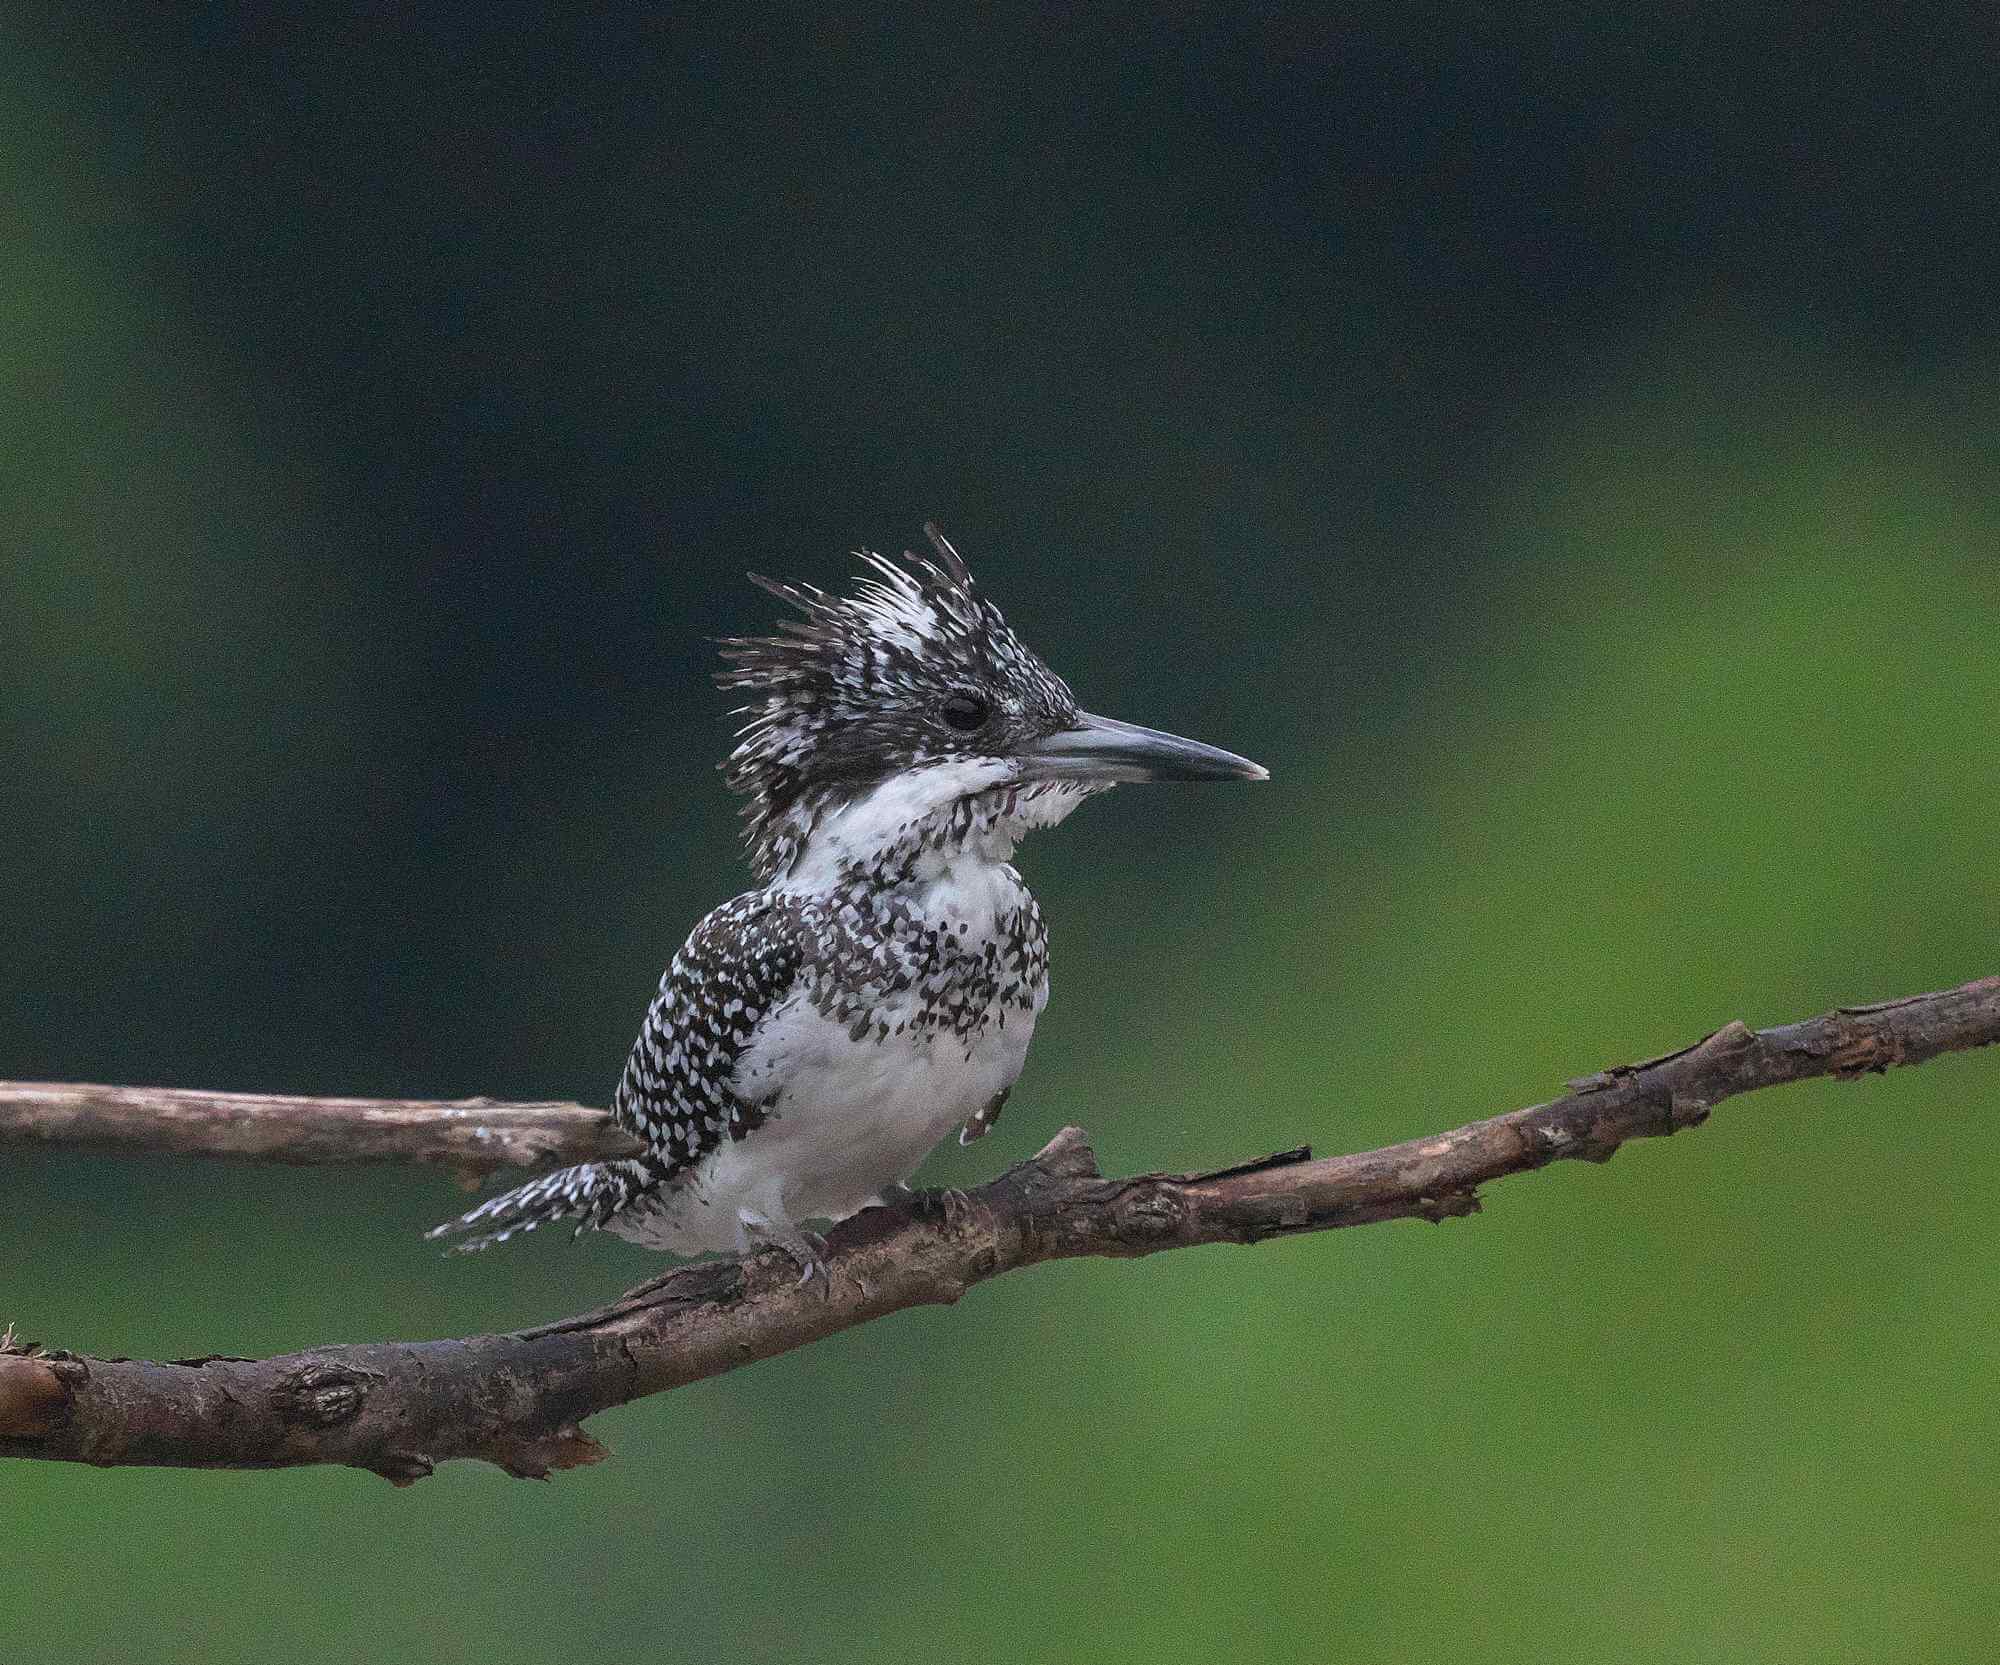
[(736, 967)]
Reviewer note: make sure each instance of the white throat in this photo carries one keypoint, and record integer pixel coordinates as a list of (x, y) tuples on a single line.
[(931, 818)]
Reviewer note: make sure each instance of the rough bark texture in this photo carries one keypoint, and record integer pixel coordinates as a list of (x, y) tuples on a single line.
[(475, 1136), (518, 1400)]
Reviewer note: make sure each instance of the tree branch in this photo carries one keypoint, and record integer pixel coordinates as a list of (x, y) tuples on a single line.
[(518, 1400), (475, 1136)]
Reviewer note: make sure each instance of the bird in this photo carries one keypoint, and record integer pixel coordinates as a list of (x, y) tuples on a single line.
[(815, 1038)]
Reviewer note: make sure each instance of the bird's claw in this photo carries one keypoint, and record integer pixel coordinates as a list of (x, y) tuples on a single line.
[(808, 1252), (817, 1263)]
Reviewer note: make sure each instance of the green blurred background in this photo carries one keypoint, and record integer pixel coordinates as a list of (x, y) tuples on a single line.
[(1564, 451)]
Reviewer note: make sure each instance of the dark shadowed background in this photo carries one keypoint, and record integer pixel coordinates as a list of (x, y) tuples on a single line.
[(1564, 452)]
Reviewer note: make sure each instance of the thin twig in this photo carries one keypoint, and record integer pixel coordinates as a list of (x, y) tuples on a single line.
[(518, 1400)]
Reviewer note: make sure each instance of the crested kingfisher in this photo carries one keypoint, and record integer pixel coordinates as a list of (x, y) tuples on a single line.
[(816, 1037)]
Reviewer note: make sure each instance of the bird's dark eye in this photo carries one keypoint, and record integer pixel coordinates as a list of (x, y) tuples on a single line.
[(964, 712)]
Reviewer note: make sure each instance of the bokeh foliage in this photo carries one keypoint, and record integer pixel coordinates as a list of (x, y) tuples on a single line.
[(1607, 574)]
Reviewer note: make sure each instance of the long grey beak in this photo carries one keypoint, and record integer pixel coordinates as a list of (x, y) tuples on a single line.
[(1102, 749)]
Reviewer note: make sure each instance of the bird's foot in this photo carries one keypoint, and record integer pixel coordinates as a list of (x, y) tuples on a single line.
[(805, 1249)]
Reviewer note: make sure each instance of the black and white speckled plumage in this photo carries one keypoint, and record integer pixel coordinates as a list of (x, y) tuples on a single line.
[(850, 694), (814, 1038)]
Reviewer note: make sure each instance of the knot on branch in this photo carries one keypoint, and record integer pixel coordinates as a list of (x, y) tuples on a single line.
[(1684, 1111), (1725, 1048), (404, 1468), (1729, 1042), (1448, 1205), (35, 1400), (1864, 1049), (537, 1456), (1150, 1216), (1067, 1156), (322, 1394)]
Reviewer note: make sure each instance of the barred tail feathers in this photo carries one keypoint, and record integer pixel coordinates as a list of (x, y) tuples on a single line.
[(592, 1190)]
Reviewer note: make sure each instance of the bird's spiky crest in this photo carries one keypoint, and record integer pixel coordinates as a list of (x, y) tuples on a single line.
[(849, 693)]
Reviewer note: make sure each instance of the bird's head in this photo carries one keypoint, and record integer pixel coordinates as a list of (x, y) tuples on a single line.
[(909, 714)]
